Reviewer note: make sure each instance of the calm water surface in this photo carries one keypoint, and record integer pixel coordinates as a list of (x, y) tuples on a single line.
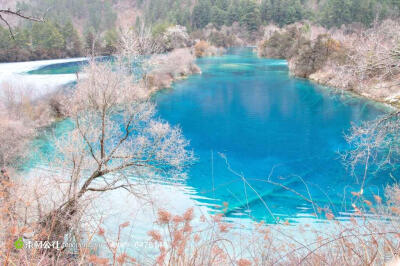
[(247, 119), (249, 123)]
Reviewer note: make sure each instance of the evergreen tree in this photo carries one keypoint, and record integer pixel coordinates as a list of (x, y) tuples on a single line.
[(110, 40), (182, 18), (222, 4), (71, 38), (76, 49), (251, 17), (337, 12), (5, 39), (23, 38), (47, 36), (91, 42), (292, 11), (395, 3), (218, 16), (282, 12), (233, 13), (363, 11), (101, 16), (266, 10), (201, 14)]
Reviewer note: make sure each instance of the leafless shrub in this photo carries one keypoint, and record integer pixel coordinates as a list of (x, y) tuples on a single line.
[(374, 144), (21, 114), (375, 56), (16, 125), (174, 37), (135, 46), (167, 68)]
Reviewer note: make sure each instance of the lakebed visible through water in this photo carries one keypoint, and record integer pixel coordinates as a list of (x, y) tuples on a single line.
[(258, 132), (250, 125)]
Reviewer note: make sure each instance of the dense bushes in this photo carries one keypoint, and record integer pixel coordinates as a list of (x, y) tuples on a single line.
[(220, 39), (20, 116), (283, 44), (227, 36), (306, 55), (200, 48), (173, 37), (203, 48), (313, 56), (169, 67)]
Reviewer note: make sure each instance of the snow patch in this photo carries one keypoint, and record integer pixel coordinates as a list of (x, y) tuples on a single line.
[(36, 85)]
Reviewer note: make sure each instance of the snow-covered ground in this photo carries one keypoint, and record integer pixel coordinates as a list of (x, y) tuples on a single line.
[(37, 85)]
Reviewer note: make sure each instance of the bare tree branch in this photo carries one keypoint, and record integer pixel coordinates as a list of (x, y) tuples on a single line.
[(17, 13)]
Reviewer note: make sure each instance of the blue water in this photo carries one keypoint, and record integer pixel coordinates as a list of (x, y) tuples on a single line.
[(65, 68), (266, 125), (249, 122)]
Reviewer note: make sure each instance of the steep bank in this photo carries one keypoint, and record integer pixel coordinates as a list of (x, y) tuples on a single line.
[(353, 58)]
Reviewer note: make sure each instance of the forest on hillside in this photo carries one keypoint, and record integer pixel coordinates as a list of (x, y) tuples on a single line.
[(75, 28)]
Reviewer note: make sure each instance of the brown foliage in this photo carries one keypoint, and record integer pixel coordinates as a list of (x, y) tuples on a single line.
[(200, 48), (164, 69), (203, 48)]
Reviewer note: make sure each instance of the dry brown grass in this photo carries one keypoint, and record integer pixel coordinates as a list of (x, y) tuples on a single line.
[(190, 238)]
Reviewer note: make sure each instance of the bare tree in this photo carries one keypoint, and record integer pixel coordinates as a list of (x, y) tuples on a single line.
[(375, 145), (135, 46), (374, 64), (116, 138), (375, 56)]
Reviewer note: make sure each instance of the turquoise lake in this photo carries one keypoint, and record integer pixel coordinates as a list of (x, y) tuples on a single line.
[(250, 123)]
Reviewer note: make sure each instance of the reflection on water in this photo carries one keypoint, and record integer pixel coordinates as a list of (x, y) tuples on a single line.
[(249, 123), (246, 113)]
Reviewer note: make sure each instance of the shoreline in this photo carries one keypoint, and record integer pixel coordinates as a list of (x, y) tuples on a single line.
[(353, 93), (337, 90), (363, 61)]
